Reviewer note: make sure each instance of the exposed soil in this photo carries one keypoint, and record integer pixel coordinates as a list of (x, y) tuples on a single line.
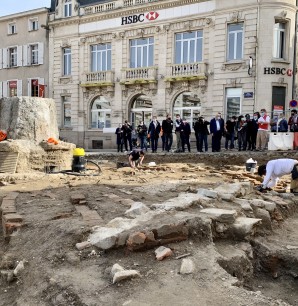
[(56, 273)]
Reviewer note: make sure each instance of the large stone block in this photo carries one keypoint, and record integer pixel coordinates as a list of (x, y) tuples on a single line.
[(28, 118), (220, 215)]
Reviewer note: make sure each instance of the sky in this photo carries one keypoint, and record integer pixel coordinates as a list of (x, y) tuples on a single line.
[(8, 7)]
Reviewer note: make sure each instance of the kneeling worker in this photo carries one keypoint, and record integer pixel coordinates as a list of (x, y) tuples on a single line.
[(135, 158), (276, 168)]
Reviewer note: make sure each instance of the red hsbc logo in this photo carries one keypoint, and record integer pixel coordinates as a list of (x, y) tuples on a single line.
[(139, 18), (152, 16), (289, 72)]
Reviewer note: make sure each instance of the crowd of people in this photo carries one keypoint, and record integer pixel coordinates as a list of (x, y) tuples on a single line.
[(244, 132)]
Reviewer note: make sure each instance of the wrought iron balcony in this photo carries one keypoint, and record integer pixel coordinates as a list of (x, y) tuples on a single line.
[(187, 71), (99, 78)]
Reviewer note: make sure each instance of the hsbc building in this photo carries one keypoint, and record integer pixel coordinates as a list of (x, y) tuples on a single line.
[(113, 61)]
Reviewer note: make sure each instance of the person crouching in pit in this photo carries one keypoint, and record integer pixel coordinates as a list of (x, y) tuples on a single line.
[(276, 168), (135, 158)]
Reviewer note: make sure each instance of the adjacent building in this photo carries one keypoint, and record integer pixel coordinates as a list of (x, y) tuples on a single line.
[(24, 69)]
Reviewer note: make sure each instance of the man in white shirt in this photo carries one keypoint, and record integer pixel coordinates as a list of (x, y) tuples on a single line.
[(274, 170)]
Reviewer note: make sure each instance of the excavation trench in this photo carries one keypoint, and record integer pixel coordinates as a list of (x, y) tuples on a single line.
[(267, 264)]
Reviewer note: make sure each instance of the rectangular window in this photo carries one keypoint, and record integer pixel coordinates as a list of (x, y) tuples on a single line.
[(188, 47), (12, 28), (34, 88), (66, 111), (141, 52), (66, 61), (279, 40), (233, 102), (67, 8), (235, 41), (13, 59), (101, 57), (13, 87), (34, 54), (33, 24)]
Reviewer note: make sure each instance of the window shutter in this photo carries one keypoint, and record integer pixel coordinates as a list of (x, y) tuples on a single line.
[(1, 91), (1, 59), (29, 88), (25, 55), (40, 53), (20, 56), (4, 56), (4, 89), (19, 88)]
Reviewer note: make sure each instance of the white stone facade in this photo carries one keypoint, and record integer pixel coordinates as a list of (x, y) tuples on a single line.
[(243, 61)]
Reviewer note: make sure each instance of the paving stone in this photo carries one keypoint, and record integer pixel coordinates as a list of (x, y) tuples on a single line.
[(8, 201), (182, 202), (208, 193), (105, 237), (76, 198), (265, 216), (83, 245), (187, 266), (270, 206), (81, 209), (137, 208), (235, 189), (126, 274), (220, 215), (12, 218), (116, 268), (244, 203), (127, 201), (163, 252), (244, 227), (173, 230), (12, 195)]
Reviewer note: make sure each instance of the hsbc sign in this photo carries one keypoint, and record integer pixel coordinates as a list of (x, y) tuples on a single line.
[(139, 18)]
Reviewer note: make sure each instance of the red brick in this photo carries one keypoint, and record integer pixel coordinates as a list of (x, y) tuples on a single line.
[(10, 227)]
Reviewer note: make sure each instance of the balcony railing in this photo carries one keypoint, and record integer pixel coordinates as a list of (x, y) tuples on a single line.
[(93, 9), (99, 77), (193, 69), (142, 73)]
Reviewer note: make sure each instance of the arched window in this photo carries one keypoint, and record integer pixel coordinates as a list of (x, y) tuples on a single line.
[(188, 106), (141, 110), (100, 113)]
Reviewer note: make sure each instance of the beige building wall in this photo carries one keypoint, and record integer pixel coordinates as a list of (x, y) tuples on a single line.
[(21, 31), (100, 24)]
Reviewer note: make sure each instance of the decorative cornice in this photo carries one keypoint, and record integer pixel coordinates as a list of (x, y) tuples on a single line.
[(120, 12)]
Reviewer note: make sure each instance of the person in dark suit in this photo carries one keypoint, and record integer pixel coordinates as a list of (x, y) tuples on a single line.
[(154, 130), (185, 134), (216, 130)]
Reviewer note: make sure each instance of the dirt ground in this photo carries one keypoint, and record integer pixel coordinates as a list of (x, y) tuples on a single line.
[(56, 273)]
